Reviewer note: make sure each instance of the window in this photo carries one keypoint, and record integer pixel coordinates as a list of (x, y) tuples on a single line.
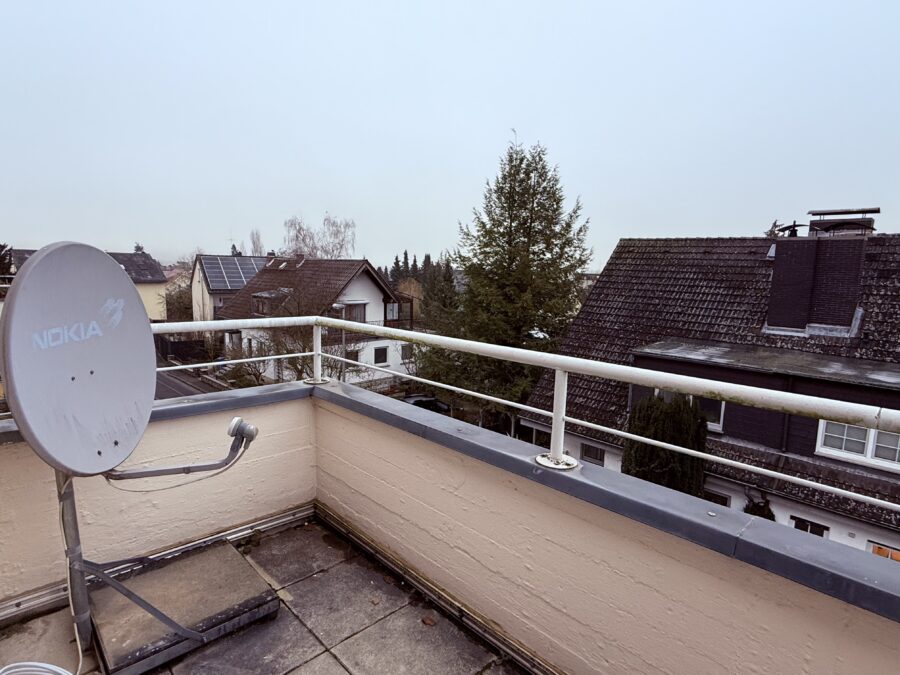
[(542, 438), (860, 445), (885, 551), (357, 312), (716, 498), (260, 306), (593, 454), (711, 409), (381, 355), (352, 354), (406, 352), (810, 526)]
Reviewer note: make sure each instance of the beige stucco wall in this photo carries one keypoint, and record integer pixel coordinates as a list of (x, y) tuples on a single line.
[(276, 474), (586, 589), (154, 299)]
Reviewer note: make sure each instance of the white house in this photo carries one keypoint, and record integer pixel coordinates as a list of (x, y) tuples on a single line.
[(216, 278), (351, 289)]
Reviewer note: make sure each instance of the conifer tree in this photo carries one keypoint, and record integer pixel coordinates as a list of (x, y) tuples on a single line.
[(405, 267), (396, 271), (414, 268), (677, 421), (521, 257)]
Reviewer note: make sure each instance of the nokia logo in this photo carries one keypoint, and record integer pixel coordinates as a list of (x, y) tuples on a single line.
[(111, 315), (54, 337)]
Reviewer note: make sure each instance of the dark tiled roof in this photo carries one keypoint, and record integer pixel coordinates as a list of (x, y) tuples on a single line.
[(706, 290), (225, 273), (318, 284), (141, 267), (20, 255)]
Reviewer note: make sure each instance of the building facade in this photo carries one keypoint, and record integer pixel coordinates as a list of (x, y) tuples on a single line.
[(813, 315)]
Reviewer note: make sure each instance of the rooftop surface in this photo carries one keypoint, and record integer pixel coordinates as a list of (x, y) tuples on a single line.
[(773, 360), (340, 613)]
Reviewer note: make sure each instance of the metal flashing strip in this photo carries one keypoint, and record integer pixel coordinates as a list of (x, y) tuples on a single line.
[(851, 575)]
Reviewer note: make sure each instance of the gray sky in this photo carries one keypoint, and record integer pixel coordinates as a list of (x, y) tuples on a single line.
[(185, 124)]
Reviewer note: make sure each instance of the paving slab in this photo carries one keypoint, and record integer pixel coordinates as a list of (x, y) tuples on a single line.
[(414, 641), (268, 647), (343, 600), (46, 639), (202, 590), (291, 555), (325, 664)]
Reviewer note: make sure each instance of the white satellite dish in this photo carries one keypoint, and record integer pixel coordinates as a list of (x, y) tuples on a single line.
[(77, 358)]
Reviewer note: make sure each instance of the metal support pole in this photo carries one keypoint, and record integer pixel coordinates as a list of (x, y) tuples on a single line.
[(343, 342), (317, 358), (556, 459), (81, 608)]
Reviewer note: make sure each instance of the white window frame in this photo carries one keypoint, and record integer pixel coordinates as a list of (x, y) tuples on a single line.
[(826, 533), (892, 550), (591, 460), (355, 304), (712, 426), (375, 358), (866, 459)]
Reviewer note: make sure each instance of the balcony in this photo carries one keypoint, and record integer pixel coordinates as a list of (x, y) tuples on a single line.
[(451, 535)]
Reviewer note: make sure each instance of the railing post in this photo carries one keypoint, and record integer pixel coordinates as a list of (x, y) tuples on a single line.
[(556, 458), (317, 358)]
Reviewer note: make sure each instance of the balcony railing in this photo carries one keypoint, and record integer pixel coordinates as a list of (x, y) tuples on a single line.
[(873, 417)]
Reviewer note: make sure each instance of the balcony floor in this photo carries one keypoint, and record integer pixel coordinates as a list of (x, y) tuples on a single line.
[(340, 613)]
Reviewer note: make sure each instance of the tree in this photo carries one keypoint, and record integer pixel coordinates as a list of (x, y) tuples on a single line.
[(414, 268), (336, 238), (256, 245), (521, 257), (179, 302), (5, 267), (677, 421), (404, 269), (396, 272), (138, 247)]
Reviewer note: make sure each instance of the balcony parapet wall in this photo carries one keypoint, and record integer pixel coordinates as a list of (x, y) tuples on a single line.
[(589, 570)]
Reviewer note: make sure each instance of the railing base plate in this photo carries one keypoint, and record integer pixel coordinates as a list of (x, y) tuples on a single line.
[(566, 463)]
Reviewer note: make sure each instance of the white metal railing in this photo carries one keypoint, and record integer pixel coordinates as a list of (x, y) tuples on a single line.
[(873, 417)]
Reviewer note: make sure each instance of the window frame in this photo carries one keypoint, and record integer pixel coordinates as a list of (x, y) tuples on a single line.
[(707, 493), (406, 348), (354, 306), (893, 552), (866, 459), (826, 529), (375, 356), (592, 460), (716, 427)]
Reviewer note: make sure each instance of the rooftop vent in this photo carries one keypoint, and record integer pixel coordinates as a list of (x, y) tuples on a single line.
[(833, 222)]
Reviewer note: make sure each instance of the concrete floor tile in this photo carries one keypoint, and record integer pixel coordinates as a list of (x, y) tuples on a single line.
[(413, 641), (345, 599), (291, 555), (46, 639), (325, 664), (263, 648)]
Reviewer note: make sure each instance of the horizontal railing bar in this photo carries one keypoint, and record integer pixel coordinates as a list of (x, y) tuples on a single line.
[(874, 417), (738, 465), (450, 387), (189, 366)]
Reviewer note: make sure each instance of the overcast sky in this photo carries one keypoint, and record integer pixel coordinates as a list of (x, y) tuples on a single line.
[(186, 124)]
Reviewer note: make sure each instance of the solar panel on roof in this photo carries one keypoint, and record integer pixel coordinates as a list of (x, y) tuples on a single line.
[(226, 273)]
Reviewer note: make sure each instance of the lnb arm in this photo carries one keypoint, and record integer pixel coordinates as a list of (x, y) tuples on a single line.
[(243, 433)]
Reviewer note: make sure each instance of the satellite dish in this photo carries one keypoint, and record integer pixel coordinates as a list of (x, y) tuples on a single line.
[(77, 358)]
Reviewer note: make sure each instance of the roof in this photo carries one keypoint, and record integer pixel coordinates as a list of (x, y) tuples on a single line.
[(318, 282), (714, 291), (788, 361), (227, 273), (141, 267)]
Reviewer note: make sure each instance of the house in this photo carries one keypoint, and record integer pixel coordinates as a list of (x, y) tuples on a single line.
[(144, 270), (817, 315), (352, 289), (216, 278)]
